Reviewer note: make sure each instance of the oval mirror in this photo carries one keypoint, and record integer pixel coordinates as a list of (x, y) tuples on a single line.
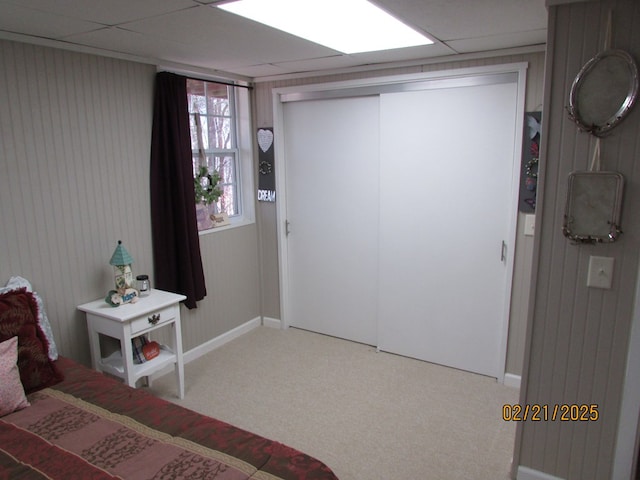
[(604, 91)]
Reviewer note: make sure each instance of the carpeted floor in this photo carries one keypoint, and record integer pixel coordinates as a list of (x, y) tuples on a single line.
[(368, 415)]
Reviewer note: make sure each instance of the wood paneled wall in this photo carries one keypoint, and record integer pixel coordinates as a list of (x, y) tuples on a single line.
[(267, 211), (75, 134), (578, 335)]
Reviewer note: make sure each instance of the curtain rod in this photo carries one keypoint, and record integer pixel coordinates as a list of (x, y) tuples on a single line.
[(206, 78), (222, 82)]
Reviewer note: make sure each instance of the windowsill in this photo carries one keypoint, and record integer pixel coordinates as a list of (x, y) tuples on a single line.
[(234, 223)]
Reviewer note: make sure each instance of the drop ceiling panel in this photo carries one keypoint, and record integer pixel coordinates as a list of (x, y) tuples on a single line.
[(228, 37), (325, 63), (404, 54), (23, 20), (457, 19), (193, 32), (105, 12), (497, 42), (262, 70), (118, 40)]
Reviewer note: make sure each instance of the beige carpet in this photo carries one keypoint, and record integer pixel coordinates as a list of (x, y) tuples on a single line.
[(368, 415)]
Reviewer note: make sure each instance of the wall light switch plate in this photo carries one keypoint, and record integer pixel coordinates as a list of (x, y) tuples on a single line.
[(600, 273), (529, 224)]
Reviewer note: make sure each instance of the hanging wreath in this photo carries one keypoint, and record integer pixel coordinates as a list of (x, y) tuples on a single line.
[(265, 167), (206, 186)]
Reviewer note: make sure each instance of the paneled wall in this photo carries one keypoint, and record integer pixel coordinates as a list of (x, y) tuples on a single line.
[(75, 134), (267, 211), (578, 335)]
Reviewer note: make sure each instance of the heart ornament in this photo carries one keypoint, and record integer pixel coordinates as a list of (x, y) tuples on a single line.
[(265, 139)]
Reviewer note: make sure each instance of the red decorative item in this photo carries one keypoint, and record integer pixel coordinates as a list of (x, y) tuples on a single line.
[(19, 318), (151, 350)]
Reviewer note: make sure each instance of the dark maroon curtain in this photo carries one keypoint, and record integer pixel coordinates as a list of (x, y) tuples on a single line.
[(174, 230)]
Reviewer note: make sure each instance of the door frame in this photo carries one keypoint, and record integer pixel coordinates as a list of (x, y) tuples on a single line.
[(373, 86), (625, 455)]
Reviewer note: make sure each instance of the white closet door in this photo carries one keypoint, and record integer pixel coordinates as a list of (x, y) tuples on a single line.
[(332, 177), (446, 202)]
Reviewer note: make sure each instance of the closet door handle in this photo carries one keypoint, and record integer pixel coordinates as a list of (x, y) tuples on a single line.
[(503, 252)]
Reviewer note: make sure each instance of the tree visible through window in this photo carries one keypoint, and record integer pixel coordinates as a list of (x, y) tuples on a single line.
[(214, 150)]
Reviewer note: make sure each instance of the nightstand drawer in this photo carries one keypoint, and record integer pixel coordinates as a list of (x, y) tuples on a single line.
[(154, 319)]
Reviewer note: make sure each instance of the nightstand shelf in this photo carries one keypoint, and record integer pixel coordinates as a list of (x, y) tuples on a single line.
[(158, 310), (114, 364)]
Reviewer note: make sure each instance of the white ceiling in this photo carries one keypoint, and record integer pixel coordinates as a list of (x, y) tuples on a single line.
[(193, 33)]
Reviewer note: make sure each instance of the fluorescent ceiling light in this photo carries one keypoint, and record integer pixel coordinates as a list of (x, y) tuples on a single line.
[(348, 26)]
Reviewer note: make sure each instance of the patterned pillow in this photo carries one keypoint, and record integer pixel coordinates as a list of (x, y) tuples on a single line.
[(16, 283), (138, 343), (18, 317), (12, 396)]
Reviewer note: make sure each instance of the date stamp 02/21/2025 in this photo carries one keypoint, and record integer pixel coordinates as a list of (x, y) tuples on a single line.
[(544, 413)]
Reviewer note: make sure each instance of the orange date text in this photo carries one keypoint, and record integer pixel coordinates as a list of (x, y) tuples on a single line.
[(543, 413)]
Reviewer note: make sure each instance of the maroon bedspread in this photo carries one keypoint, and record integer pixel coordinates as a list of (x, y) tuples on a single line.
[(94, 427)]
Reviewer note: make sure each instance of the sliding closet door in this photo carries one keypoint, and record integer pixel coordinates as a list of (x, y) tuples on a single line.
[(447, 159), (332, 175)]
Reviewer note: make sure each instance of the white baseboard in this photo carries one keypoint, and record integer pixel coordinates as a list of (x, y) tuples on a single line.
[(211, 345), (271, 322), (220, 340), (526, 473), (512, 380)]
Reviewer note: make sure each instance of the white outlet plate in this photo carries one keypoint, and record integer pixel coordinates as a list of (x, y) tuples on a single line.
[(600, 273), (529, 224)]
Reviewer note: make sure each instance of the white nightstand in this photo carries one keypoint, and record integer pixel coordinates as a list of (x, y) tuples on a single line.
[(157, 310)]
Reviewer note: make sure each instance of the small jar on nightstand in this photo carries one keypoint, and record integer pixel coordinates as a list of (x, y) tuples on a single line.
[(143, 284)]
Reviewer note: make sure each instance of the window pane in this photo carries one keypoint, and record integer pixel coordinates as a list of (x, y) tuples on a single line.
[(196, 96), (219, 129), (197, 104), (194, 133), (196, 162), (226, 169), (193, 125), (218, 106), (214, 104), (227, 202), (217, 93)]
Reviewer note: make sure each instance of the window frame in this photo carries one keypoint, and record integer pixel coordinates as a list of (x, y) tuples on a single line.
[(243, 151)]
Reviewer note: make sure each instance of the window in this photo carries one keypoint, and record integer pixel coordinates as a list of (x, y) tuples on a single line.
[(216, 151)]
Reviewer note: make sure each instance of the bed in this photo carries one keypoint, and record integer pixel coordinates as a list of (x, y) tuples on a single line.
[(62, 420)]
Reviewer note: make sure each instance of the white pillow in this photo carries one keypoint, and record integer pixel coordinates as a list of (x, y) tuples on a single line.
[(16, 283), (12, 395)]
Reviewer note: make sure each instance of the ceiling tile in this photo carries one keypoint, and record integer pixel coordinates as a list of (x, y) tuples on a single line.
[(456, 19), (23, 20), (498, 42), (222, 35), (195, 33), (118, 40), (262, 70), (106, 12)]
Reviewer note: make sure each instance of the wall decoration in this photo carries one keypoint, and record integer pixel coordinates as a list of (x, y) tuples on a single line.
[(267, 177), (529, 164), (125, 290), (219, 219), (604, 91), (206, 186), (593, 208)]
